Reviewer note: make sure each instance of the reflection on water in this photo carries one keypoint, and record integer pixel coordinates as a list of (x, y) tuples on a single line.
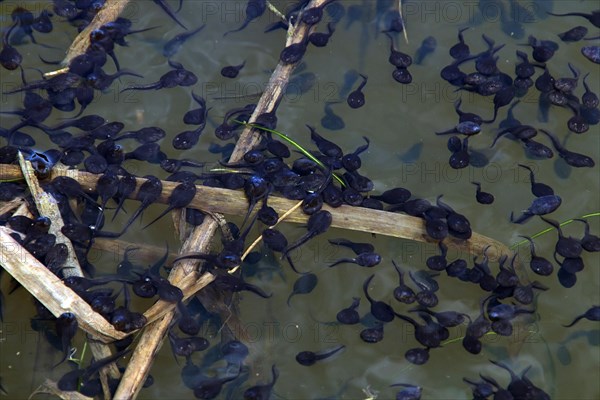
[(400, 121)]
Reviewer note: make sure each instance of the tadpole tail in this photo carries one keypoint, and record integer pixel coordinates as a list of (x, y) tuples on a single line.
[(245, 24), (290, 298), (498, 136), (256, 290), (576, 320), (132, 218), (169, 12), (522, 219), (149, 86), (167, 210), (342, 261), (289, 260)]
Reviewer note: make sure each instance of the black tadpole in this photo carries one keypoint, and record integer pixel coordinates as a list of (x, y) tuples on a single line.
[(232, 71), (460, 50), (364, 260), (308, 358), (380, 310), (397, 58), (318, 223), (180, 197), (254, 9), (303, 285), (173, 45), (402, 292), (356, 247), (66, 328), (537, 189), (565, 246), (410, 392), (481, 196), (589, 242), (149, 192), (356, 99), (262, 392), (349, 315), (593, 314), (540, 206), (320, 39), (10, 58), (538, 265)]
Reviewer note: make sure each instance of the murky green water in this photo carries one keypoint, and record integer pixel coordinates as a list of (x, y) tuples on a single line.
[(394, 118)]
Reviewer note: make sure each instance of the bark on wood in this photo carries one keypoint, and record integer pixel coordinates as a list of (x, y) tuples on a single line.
[(232, 202), (50, 290)]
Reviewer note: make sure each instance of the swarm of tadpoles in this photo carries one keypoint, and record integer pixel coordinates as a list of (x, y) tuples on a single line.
[(320, 178)]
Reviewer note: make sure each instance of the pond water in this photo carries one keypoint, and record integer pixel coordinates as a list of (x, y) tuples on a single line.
[(400, 121)]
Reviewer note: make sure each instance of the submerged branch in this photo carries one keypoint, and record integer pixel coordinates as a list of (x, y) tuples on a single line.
[(108, 13), (232, 202)]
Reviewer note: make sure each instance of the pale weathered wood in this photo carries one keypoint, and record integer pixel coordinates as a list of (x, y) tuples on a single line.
[(109, 12), (50, 290), (154, 333), (10, 205), (47, 207), (232, 202), (49, 387)]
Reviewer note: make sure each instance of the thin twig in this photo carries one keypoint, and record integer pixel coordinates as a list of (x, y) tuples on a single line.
[(404, 30), (49, 387), (259, 238)]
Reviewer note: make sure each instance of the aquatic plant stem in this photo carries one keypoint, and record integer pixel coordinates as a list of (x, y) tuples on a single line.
[(295, 144), (543, 232)]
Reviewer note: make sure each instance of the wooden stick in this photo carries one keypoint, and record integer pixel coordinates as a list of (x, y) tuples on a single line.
[(50, 290), (108, 13), (10, 205), (154, 333), (46, 206), (49, 387), (225, 201)]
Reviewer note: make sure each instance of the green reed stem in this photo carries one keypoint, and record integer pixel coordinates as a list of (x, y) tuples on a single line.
[(567, 222), (293, 143)]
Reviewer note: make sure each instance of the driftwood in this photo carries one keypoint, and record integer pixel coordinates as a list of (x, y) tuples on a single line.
[(50, 290), (46, 206), (49, 387), (133, 379), (154, 333), (225, 201), (108, 13)]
